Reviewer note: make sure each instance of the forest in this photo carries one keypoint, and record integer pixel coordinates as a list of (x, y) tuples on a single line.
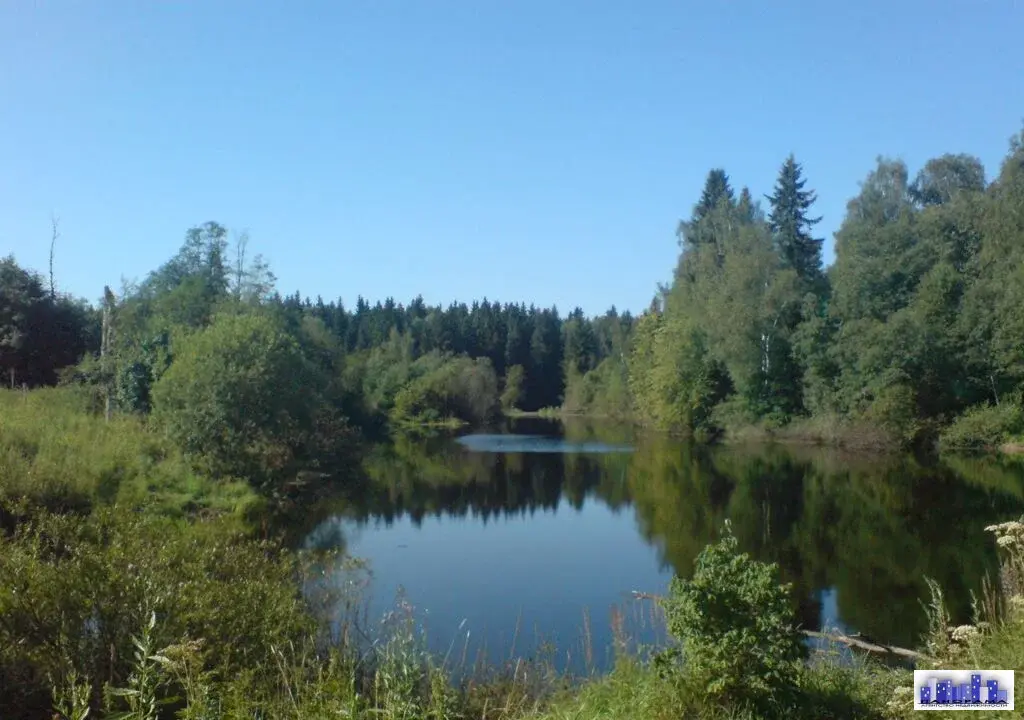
[(913, 335)]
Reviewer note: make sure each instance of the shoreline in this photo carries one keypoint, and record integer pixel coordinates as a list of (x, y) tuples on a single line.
[(814, 432)]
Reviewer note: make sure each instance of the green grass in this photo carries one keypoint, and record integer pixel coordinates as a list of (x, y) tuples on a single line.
[(55, 454), (825, 430), (634, 691), (550, 413), (412, 424)]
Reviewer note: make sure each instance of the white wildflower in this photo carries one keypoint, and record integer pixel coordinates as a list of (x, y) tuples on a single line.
[(964, 633)]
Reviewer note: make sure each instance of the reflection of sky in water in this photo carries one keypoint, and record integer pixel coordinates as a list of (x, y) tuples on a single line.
[(472, 585), (481, 543), (541, 571), (535, 444)]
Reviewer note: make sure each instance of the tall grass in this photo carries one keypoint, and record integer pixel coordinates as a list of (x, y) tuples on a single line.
[(57, 455)]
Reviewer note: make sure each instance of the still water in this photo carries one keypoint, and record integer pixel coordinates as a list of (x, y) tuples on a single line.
[(531, 538)]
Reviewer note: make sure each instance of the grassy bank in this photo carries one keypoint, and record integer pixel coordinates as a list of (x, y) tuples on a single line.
[(549, 413), (987, 430), (239, 642), (828, 430), (56, 454), (414, 426)]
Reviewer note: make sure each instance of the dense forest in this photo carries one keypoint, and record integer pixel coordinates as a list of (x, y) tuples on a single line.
[(915, 331)]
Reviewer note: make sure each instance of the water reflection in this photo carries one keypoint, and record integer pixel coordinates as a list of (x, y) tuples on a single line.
[(506, 443), (520, 536)]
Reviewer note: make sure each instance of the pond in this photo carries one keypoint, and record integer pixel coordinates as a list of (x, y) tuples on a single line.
[(531, 538)]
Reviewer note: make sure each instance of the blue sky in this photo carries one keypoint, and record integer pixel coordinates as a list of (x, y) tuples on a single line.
[(527, 150)]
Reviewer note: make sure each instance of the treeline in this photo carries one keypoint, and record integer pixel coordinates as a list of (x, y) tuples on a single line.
[(914, 332), (256, 385), (919, 322)]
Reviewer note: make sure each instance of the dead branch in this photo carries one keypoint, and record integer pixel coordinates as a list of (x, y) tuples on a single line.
[(54, 224)]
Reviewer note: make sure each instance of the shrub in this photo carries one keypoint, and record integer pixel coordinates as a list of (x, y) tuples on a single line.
[(76, 589), (894, 409), (983, 427), (241, 400), (445, 388), (737, 626)]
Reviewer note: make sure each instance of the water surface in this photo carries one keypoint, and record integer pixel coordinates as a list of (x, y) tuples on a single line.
[(534, 536)]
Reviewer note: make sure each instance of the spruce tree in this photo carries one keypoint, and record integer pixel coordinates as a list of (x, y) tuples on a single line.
[(746, 210), (791, 224), (700, 228), (716, 188)]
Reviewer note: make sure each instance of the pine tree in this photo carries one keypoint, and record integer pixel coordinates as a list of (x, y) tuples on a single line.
[(791, 224)]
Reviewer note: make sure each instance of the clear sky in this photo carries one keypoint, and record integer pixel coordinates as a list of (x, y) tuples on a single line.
[(535, 150)]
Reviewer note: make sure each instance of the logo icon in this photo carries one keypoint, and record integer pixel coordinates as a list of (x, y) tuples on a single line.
[(963, 689)]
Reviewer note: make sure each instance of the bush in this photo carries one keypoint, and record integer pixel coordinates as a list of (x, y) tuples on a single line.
[(446, 388), (737, 627), (894, 409), (241, 400), (983, 427), (75, 590)]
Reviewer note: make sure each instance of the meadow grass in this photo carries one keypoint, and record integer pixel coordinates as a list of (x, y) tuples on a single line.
[(56, 454)]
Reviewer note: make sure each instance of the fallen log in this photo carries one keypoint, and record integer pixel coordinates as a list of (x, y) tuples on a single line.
[(852, 642)]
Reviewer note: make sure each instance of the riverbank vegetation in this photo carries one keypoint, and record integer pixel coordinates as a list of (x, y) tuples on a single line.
[(134, 615)]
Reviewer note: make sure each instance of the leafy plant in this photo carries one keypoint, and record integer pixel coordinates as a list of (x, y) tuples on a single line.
[(736, 625)]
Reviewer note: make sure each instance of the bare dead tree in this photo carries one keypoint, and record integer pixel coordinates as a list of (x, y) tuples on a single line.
[(240, 247), (55, 227), (105, 345)]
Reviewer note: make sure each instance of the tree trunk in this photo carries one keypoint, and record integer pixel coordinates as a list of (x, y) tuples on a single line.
[(53, 245), (105, 340)]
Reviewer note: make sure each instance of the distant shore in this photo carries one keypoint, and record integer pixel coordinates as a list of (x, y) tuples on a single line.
[(819, 431)]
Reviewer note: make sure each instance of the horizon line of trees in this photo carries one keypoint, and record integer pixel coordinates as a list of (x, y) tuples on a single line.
[(919, 321)]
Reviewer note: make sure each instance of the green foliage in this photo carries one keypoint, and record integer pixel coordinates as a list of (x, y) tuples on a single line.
[(634, 691), (57, 454), (737, 626), (790, 224), (918, 319), (40, 333), (512, 393), (77, 589), (984, 427), (674, 380), (242, 401), (601, 392), (448, 388)]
